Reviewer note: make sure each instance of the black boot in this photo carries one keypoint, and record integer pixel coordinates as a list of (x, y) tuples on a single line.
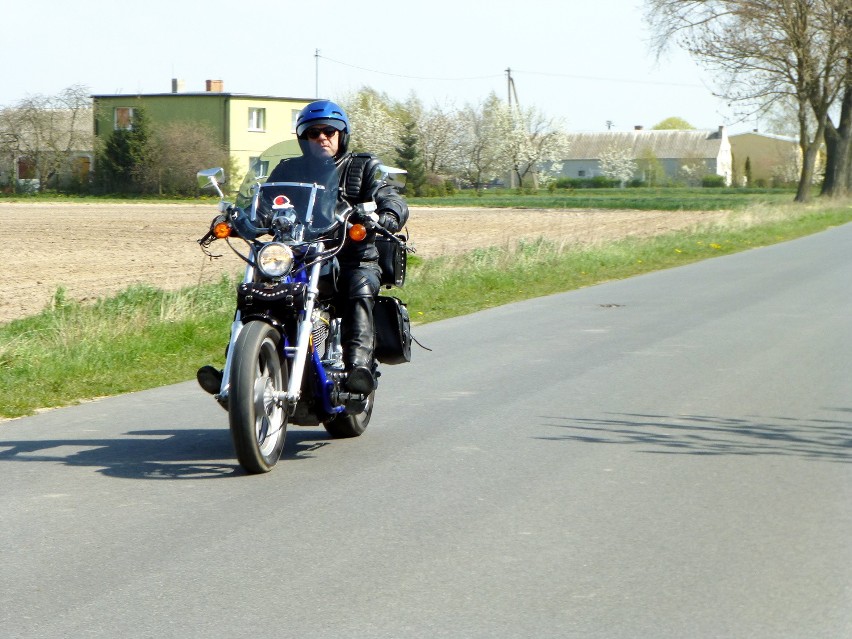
[(210, 379), (361, 380), (358, 340)]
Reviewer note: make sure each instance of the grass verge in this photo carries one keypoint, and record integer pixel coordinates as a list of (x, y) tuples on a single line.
[(647, 199), (146, 337)]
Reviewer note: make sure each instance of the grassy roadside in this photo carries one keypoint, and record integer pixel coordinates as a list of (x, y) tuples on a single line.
[(646, 199), (146, 337)]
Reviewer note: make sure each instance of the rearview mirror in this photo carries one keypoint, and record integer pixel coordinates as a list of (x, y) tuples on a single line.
[(210, 177), (393, 176)]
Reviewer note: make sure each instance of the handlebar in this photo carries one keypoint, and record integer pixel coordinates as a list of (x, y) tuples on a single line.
[(367, 212), (244, 226), (247, 230), (381, 230)]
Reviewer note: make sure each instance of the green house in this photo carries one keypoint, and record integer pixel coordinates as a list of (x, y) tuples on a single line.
[(245, 124)]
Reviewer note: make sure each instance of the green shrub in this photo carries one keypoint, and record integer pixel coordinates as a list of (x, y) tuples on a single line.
[(713, 181), (597, 182)]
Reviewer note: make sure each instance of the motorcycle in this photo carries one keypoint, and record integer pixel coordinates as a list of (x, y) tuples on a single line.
[(284, 360)]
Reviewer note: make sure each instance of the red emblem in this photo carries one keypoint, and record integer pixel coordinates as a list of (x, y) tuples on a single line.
[(281, 202)]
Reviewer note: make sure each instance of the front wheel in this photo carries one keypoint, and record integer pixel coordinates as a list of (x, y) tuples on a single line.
[(258, 422), (342, 426)]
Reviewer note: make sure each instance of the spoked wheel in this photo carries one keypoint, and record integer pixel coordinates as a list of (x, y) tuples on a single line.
[(341, 426), (258, 422)]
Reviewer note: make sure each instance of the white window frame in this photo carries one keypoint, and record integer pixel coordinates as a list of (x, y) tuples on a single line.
[(257, 119), (117, 121), (263, 168)]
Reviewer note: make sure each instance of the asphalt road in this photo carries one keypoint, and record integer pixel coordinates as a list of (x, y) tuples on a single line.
[(665, 456)]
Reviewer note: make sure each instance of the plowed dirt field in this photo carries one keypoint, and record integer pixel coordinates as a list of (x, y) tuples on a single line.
[(95, 250)]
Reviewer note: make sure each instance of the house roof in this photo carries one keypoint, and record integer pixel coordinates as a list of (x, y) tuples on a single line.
[(768, 136), (198, 94), (666, 144)]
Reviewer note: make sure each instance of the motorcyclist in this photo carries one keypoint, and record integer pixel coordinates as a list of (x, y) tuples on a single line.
[(323, 131)]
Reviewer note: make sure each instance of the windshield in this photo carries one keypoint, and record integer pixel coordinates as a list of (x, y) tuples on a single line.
[(283, 182)]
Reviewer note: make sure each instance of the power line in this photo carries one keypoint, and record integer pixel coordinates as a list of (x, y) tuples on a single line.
[(488, 77), (600, 79), (409, 77)]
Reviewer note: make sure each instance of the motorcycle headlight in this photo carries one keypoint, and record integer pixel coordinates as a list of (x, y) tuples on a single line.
[(275, 259)]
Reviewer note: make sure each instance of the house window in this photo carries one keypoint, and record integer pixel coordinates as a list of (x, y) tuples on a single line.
[(259, 167), (124, 118), (26, 169), (581, 174), (256, 119)]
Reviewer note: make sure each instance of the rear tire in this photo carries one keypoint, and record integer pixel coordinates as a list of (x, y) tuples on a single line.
[(343, 426), (258, 423)]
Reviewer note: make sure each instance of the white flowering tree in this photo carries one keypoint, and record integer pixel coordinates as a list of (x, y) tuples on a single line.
[(692, 171), (480, 153), (477, 143), (532, 142), (439, 128), (617, 163), (375, 127)]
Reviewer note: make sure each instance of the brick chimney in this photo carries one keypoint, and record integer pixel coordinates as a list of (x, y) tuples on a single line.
[(215, 86)]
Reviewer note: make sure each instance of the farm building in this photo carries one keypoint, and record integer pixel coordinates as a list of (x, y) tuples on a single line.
[(681, 155), (771, 159)]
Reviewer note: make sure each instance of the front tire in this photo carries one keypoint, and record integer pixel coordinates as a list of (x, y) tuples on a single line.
[(342, 426), (258, 423)]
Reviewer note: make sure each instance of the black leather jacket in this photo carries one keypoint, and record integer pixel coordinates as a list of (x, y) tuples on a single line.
[(358, 183)]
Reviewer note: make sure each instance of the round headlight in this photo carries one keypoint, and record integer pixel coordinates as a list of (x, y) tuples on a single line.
[(275, 260)]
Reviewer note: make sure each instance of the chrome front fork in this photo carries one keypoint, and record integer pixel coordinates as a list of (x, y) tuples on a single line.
[(303, 338)]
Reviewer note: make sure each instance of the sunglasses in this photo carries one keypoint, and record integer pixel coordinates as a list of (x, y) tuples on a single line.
[(313, 134)]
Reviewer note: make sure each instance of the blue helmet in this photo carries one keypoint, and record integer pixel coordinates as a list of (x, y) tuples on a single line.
[(324, 112)]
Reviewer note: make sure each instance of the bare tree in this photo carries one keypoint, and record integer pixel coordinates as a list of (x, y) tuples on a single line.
[(46, 132), (9, 146), (765, 50), (838, 138), (177, 151)]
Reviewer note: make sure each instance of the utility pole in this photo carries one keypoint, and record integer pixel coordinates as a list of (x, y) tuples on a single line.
[(512, 92), (511, 89), (316, 73)]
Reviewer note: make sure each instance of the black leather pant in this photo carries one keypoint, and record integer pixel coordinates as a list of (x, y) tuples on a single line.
[(357, 288)]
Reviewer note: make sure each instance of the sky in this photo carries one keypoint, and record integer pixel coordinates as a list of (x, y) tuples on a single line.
[(586, 64)]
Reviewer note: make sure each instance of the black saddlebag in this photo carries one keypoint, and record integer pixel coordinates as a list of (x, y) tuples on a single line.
[(393, 331), (393, 259)]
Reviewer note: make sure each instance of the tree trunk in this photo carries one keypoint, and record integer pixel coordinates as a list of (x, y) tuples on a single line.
[(810, 148), (838, 147), (803, 193)]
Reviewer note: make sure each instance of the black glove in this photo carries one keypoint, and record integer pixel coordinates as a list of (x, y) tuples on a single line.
[(389, 221)]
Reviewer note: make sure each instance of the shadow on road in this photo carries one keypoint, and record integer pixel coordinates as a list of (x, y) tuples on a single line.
[(813, 439), (156, 454)]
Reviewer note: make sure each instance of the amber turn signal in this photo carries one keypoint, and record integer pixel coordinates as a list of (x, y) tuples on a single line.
[(222, 230), (357, 232)]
